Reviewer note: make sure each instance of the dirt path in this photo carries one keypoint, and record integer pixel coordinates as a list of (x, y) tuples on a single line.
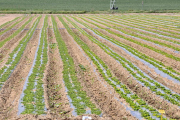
[(12, 89)]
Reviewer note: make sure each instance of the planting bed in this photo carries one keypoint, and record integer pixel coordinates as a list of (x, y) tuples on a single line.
[(100, 66)]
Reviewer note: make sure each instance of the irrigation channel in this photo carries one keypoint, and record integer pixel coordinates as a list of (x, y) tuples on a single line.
[(106, 67)]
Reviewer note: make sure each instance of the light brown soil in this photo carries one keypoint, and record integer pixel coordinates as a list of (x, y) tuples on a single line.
[(169, 83), (145, 22), (147, 27), (165, 60), (6, 18), (165, 19), (162, 14), (171, 110), (12, 89), (94, 88), (10, 32), (94, 117), (12, 44), (165, 49), (34, 117), (151, 27), (45, 85), (101, 93), (123, 26), (53, 79), (10, 24)]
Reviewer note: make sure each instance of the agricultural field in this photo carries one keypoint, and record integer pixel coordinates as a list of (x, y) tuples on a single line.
[(88, 5), (105, 67)]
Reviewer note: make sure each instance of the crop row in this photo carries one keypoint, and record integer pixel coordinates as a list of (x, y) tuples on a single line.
[(166, 21), (118, 23), (140, 76), (33, 97), (147, 81), (9, 28), (129, 25), (134, 101), (9, 22), (167, 33), (161, 25), (139, 43), (156, 23), (140, 33), (79, 98), (15, 33), (134, 34), (147, 23), (166, 69), (16, 54), (139, 73)]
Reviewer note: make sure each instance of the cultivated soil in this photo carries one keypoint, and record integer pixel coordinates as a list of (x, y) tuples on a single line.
[(140, 90), (12, 89), (96, 89)]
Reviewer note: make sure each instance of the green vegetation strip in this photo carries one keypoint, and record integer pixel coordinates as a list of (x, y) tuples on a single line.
[(154, 25), (136, 23), (33, 99), (166, 69), (75, 91), (133, 32), (134, 101), (171, 22), (9, 28), (127, 23), (9, 22), (137, 42), (167, 93), (15, 56), (15, 33)]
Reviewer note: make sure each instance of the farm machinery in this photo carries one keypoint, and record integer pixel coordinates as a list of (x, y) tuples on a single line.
[(112, 5)]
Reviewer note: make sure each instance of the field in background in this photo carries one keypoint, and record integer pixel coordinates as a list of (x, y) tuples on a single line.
[(88, 5)]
